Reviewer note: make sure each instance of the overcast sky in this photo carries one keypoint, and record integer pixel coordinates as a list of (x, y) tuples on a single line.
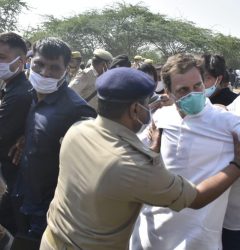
[(218, 15)]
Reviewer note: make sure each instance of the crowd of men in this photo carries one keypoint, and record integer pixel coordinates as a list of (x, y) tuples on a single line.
[(116, 154)]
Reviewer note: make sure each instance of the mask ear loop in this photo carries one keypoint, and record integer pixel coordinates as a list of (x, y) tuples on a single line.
[(149, 110), (136, 117), (216, 82), (62, 79), (12, 62)]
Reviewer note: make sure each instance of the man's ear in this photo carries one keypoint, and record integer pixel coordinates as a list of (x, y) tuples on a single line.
[(220, 78), (104, 64), (23, 59), (133, 110)]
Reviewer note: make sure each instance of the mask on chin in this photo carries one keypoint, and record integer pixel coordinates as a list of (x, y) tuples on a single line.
[(44, 85), (5, 72), (210, 91)]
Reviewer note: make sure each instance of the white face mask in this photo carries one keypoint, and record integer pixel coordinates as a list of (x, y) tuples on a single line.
[(145, 124), (44, 85), (5, 72)]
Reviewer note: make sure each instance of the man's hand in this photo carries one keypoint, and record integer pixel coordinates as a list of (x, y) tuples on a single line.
[(3, 187), (236, 143), (154, 135), (16, 150), (165, 100)]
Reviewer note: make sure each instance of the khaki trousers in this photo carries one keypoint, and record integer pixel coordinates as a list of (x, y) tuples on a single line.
[(52, 242)]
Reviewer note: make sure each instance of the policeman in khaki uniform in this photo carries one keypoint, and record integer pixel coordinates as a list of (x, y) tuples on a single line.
[(137, 61), (6, 238), (74, 64), (84, 82), (106, 173), (148, 61)]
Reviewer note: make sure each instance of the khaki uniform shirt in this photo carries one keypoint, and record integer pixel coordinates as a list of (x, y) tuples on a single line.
[(106, 174), (84, 84), (72, 72)]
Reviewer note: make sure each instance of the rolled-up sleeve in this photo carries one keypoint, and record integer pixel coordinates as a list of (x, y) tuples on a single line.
[(157, 186)]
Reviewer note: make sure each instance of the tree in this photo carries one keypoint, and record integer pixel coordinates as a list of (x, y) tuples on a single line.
[(9, 11), (229, 47), (175, 36), (118, 29), (132, 29)]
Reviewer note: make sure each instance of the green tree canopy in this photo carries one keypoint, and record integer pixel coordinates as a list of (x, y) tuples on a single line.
[(133, 29), (9, 11), (229, 47)]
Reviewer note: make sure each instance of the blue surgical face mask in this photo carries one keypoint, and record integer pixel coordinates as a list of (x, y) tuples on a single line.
[(192, 103), (209, 91)]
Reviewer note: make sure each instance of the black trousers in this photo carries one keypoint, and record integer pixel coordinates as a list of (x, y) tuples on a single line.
[(8, 209), (8, 205), (230, 239), (31, 226)]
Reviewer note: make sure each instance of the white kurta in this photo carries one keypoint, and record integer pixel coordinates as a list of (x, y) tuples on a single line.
[(195, 147)]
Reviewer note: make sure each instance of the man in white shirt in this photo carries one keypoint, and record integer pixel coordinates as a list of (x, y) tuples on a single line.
[(196, 143), (231, 224)]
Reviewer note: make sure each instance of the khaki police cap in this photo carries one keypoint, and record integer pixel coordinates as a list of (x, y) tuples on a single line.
[(148, 61), (103, 54), (124, 84), (137, 57), (76, 54)]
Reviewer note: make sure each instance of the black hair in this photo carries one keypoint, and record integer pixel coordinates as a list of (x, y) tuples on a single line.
[(226, 77), (28, 44), (97, 60), (120, 61), (82, 66), (14, 41), (214, 65), (180, 64), (52, 48), (149, 69)]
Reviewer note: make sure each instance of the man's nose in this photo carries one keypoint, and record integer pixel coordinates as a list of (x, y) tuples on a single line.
[(45, 72)]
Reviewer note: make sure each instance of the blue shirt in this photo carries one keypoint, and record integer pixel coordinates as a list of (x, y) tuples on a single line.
[(16, 99), (47, 123)]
